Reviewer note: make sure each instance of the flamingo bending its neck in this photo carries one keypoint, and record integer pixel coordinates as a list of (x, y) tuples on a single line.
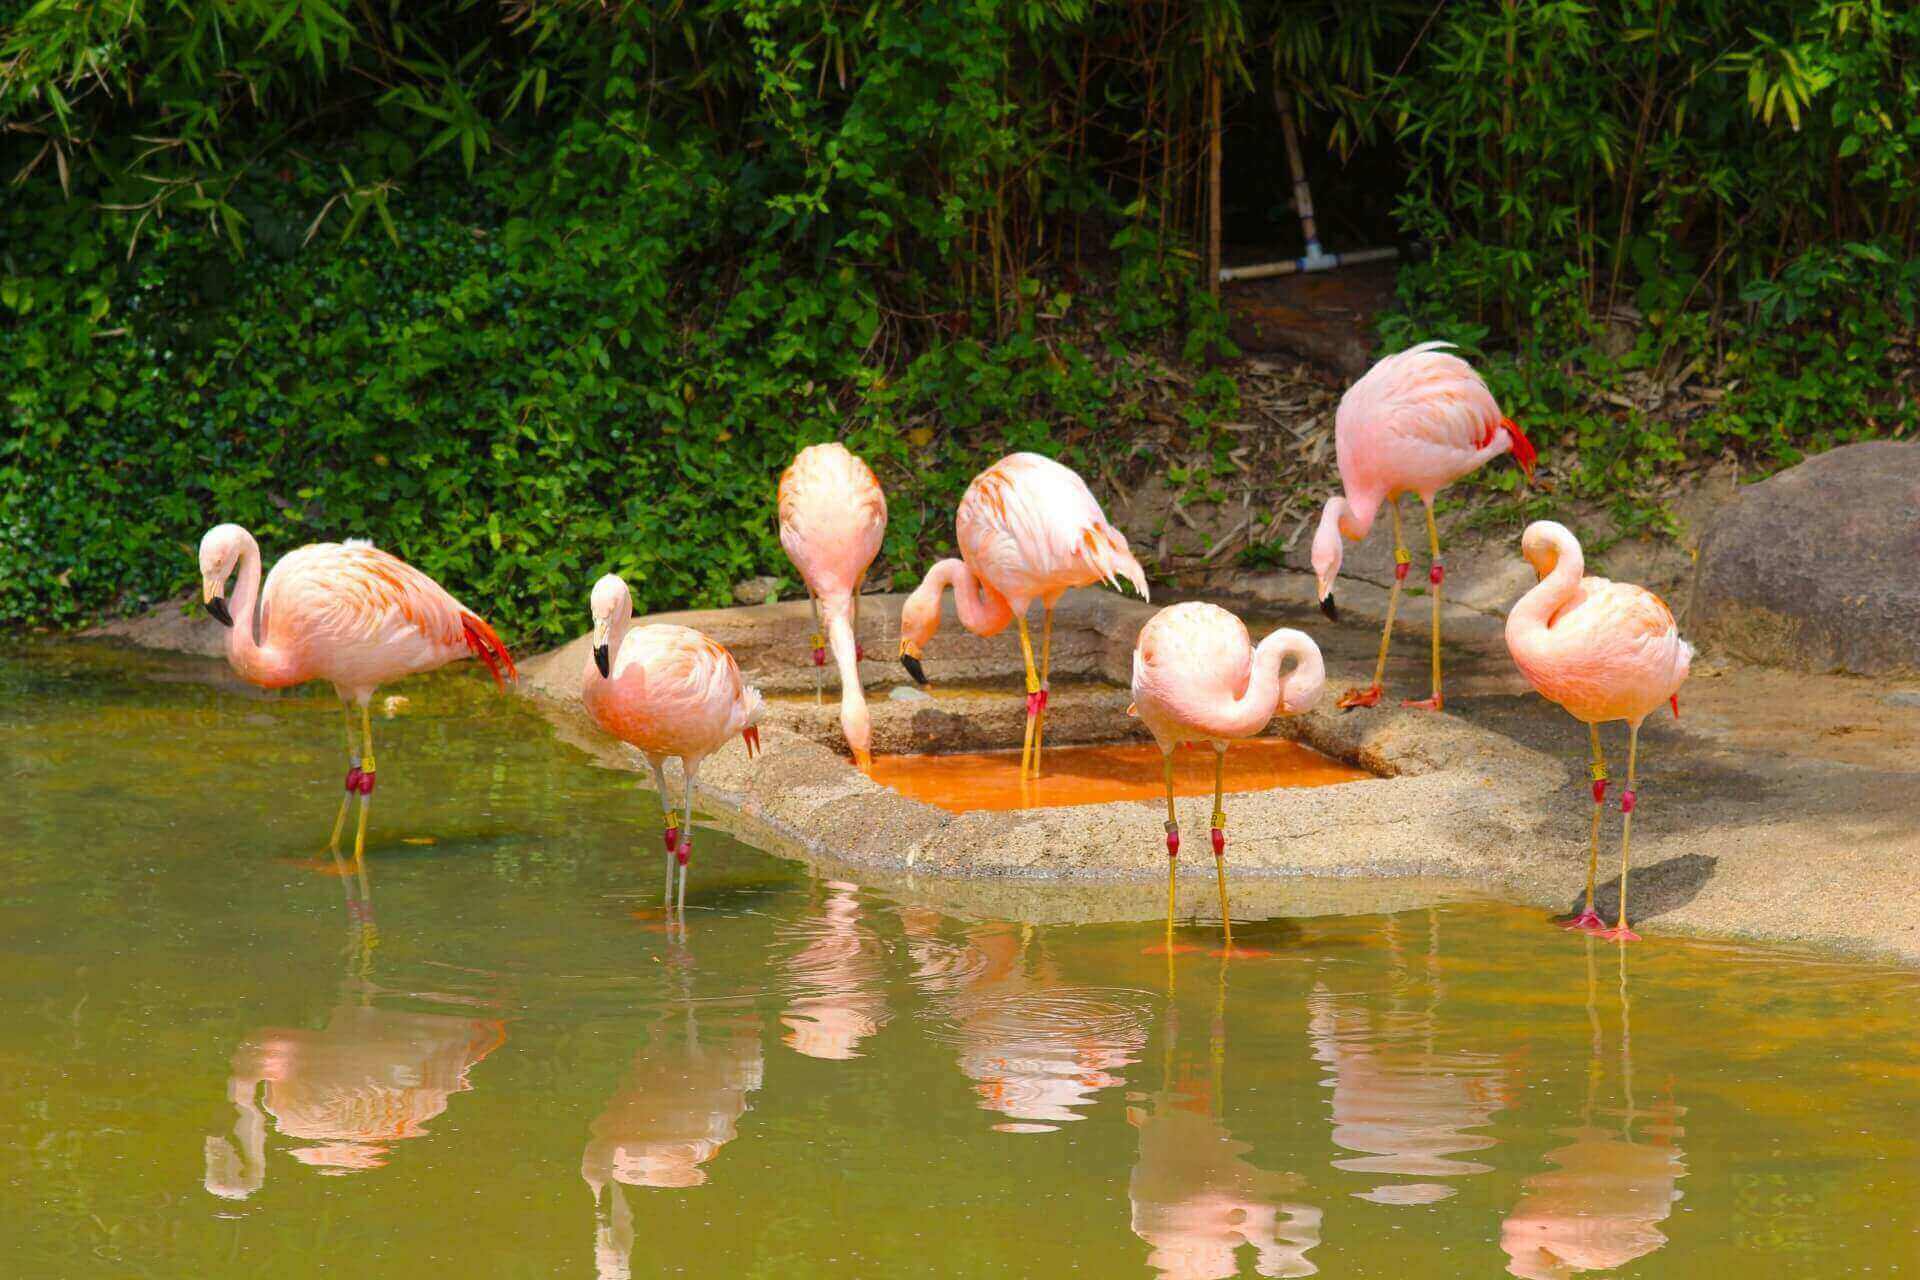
[(348, 613), (669, 691), (1029, 529), (832, 519), (1604, 651), (1198, 678), (1415, 423)]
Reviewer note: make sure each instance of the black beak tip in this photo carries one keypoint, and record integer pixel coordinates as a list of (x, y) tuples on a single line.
[(601, 660), (218, 608), (1329, 608), (914, 669)]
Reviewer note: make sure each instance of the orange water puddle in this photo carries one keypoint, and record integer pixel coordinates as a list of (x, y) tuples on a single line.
[(1009, 687), (966, 782)]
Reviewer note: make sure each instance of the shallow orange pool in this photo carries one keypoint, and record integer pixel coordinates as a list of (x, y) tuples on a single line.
[(965, 782)]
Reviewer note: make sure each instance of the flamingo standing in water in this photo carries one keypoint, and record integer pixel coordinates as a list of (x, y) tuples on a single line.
[(832, 518), (345, 612), (1198, 678), (1029, 529), (669, 691), (1417, 421), (1604, 651)]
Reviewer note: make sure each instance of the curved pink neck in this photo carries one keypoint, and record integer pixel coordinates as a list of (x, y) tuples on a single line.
[(261, 665), (1266, 693), (1536, 609), (982, 610)]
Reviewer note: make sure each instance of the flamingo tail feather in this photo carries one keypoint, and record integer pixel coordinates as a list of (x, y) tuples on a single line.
[(485, 644)]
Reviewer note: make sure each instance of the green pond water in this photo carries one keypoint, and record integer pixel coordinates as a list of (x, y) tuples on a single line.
[(217, 1061)]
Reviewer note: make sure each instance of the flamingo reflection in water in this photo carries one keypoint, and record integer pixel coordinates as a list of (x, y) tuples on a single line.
[(679, 1104), (836, 980), (368, 1079), (1403, 1099), (1037, 1048), (1600, 1207), (1197, 1199)]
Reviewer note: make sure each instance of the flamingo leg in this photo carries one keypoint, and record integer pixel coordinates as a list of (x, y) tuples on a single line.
[(1220, 842), (1173, 844), (1046, 664), (1620, 932), (1371, 695), (671, 835), (819, 650), (1589, 920), (353, 780), (686, 841), (1435, 576), (1027, 760), (366, 790)]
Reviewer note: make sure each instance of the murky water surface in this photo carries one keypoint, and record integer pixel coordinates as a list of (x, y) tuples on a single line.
[(965, 781), (219, 1063)]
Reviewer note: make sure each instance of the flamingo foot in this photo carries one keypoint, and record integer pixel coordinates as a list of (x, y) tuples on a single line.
[(1619, 933), (1357, 697), (1434, 703), (1587, 921), (1241, 953)]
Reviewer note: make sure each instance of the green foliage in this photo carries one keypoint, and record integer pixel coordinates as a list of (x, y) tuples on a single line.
[(527, 292)]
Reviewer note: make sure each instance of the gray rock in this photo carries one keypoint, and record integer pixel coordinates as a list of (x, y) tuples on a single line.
[(756, 590), (907, 693), (1818, 568)]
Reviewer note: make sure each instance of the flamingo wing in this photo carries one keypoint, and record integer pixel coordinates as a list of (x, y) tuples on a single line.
[(1418, 420), (353, 601), (1618, 647), (833, 517), (1033, 523)]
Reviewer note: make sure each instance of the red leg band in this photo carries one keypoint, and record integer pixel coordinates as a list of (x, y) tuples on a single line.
[(1400, 571), (1626, 801), (1437, 574), (1600, 791)]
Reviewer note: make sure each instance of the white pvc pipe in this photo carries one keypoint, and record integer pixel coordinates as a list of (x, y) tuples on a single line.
[(1314, 260)]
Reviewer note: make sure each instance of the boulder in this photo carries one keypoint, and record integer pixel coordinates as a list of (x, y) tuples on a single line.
[(1818, 568)]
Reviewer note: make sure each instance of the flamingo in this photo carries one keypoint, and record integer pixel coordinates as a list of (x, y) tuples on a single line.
[(1604, 651), (1415, 423), (832, 518), (346, 612), (1029, 529), (1198, 678), (669, 691)]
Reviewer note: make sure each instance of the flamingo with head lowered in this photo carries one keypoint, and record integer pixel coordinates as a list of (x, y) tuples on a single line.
[(833, 517), (1197, 677), (669, 691), (348, 613), (1415, 423), (1029, 529), (1604, 651)]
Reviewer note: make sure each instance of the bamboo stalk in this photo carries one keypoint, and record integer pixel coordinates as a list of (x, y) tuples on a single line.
[(1213, 176)]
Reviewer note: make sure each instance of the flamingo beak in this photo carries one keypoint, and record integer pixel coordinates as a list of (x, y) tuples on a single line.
[(911, 661), (1329, 608), (602, 661), (217, 606)]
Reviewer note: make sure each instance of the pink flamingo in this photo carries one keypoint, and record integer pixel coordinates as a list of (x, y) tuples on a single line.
[(1029, 529), (1198, 678), (1415, 423), (345, 612), (669, 691), (832, 518), (1604, 651)]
